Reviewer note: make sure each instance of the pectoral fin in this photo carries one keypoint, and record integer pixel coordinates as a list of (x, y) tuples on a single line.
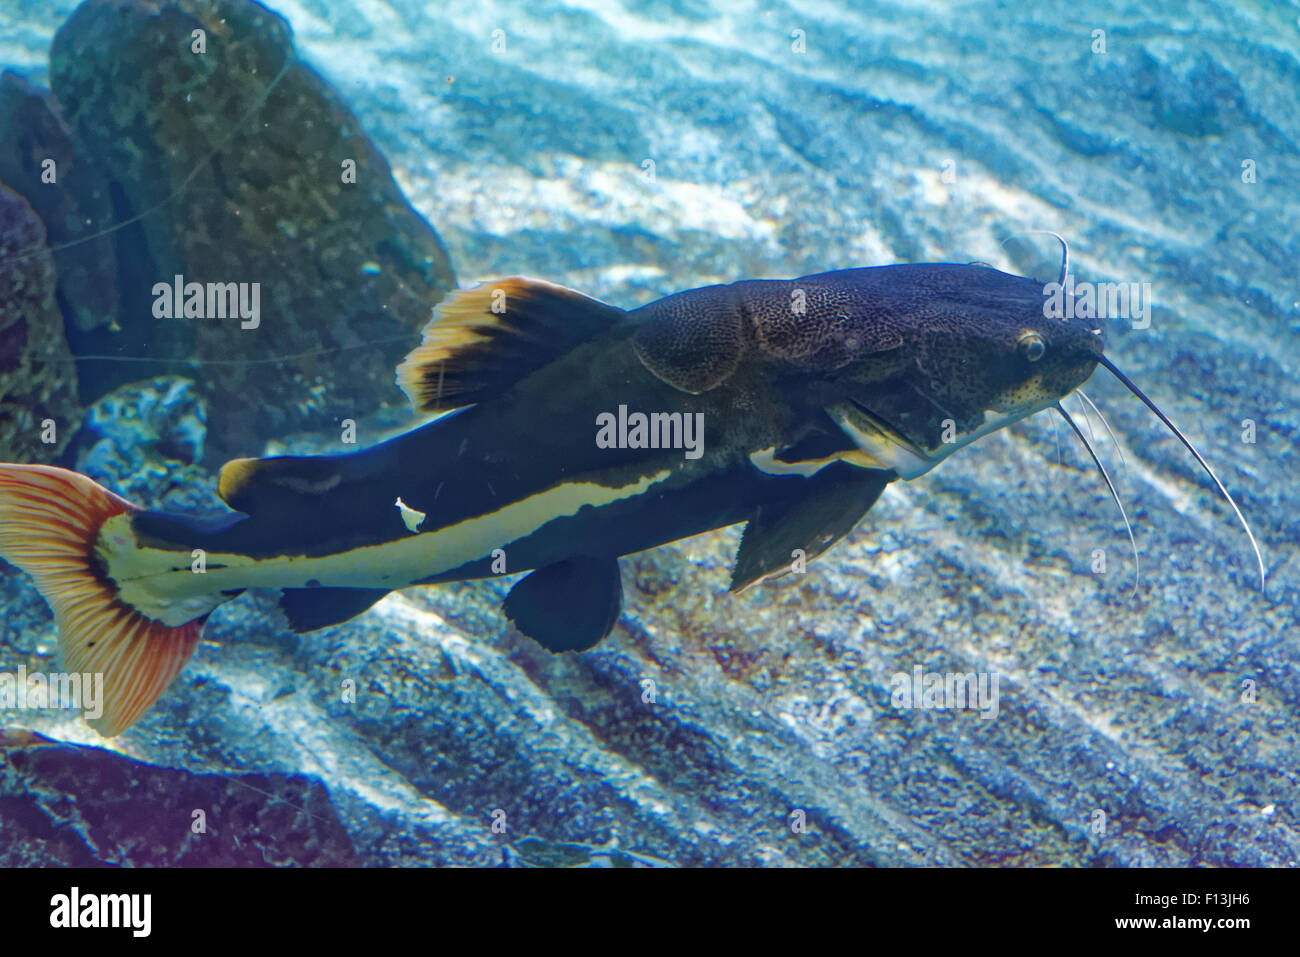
[(828, 507), (568, 606)]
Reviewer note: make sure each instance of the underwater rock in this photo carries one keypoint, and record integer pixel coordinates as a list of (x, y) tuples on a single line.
[(42, 163), (38, 392), (244, 167), (144, 441), (72, 806)]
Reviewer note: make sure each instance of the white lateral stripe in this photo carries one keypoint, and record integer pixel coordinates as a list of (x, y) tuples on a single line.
[(395, 564)]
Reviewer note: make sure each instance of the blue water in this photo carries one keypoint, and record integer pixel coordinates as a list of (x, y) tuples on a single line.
[(1145, 715)]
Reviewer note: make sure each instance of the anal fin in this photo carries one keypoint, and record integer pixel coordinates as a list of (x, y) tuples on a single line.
[(568, 606), (826, 509), (310, 608)]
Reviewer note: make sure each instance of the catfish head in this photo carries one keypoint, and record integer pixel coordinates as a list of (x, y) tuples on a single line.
[(969, 349), (911, 362)]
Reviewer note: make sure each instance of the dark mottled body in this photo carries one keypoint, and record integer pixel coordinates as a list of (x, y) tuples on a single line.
[(779, 370), (813, 395)]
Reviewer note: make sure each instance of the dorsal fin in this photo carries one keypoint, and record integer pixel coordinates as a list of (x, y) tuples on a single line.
[(482, 340)]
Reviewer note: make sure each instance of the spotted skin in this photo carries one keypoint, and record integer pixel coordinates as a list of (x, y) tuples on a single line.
[(918, 346)]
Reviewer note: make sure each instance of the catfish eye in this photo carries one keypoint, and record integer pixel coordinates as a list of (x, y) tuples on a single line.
[(1032, 346)]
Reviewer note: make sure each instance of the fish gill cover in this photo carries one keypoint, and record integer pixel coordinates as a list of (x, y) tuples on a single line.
[(305, 153)]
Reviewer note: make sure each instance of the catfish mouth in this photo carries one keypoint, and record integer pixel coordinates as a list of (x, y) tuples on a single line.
[(1049, 386), (914, 438), (890, 447), (912, 423)]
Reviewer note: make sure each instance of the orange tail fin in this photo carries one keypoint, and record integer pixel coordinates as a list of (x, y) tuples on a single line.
[(49, 521)]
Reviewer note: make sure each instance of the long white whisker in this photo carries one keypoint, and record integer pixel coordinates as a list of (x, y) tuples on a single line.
[(1259, 558), (1113, 441), (1137, 572), (1056, 436), (1087, 419), (1060, 462)]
